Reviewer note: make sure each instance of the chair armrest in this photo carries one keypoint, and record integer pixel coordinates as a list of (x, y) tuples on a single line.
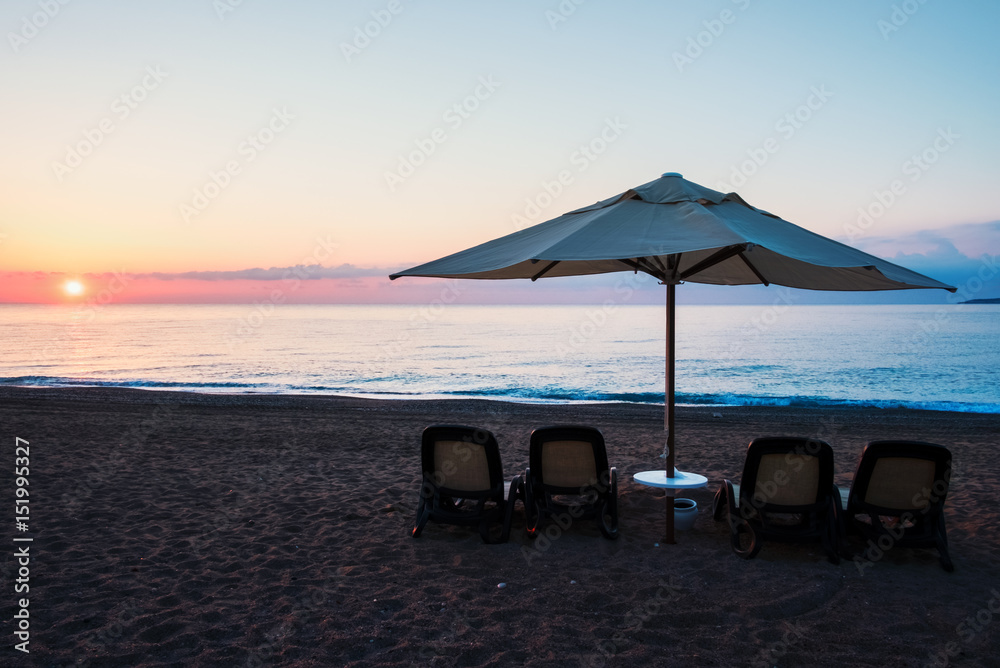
[(725, 500), (842, 494), (516, 491)]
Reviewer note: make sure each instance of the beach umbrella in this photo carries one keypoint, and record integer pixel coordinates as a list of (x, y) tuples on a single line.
[(677, 231)]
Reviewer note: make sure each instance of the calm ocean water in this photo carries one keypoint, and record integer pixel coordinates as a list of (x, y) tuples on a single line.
[(934, 357)]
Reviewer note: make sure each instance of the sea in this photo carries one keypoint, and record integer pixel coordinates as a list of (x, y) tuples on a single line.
[(934, 357)]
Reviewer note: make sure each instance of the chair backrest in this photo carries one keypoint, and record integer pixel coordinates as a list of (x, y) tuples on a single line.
[(568, 459), (785, 474), (461, 461), (898, 476)]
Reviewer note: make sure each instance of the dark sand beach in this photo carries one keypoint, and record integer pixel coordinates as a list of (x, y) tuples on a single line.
[(176, 529)]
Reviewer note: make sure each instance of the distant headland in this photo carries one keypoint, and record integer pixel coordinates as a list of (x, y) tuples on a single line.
[(995, 300)]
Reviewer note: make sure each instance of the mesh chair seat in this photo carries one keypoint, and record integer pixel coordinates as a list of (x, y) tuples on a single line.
[(568, 478), (786, 493), (463, 481), (898, 494)]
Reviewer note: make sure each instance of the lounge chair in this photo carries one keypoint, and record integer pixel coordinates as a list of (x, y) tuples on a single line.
[(463, 481), (787, 494), (568, 478), (897, 497)]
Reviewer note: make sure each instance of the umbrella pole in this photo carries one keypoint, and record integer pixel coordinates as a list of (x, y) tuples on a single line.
[(668, 415)]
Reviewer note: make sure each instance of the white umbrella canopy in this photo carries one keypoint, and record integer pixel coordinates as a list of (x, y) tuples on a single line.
[(677, 231)]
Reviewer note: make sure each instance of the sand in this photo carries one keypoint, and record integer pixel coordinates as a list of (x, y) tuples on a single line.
[(175, 529)]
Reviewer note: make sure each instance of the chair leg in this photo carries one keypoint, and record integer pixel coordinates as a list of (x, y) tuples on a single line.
[(484, 531), (719, 505), (423, 514), (946, 562), (532, 509), (488, 518), (516, 491), (831, 532), (941, 541), (841, 522), (742, 537), (609, 509)]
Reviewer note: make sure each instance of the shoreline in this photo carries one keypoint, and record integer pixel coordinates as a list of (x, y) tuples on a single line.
[(182, 528), (124, 393)]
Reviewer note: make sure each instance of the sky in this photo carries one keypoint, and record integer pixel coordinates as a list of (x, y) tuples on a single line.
[(244, 150)]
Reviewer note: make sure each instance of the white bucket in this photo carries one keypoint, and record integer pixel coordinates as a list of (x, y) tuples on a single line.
[(685, 513)]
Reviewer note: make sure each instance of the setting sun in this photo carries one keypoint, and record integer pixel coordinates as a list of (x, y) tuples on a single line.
[(73, 288)]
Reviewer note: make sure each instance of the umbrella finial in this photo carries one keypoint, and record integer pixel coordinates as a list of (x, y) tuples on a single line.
[(677, 174)]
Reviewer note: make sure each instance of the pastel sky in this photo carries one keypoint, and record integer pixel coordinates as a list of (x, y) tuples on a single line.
[(201, 150)]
